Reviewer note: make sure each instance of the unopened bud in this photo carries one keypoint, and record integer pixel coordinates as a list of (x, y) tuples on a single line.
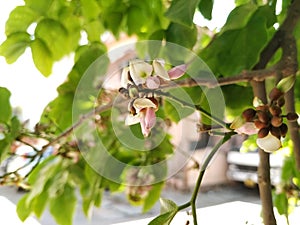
[(275, 110), (249, 114), (275, 94), (259, 125), (263, 108), (291, 116), (263, 132), (263, 116), (276, 121), (283, 129), (275, 131)]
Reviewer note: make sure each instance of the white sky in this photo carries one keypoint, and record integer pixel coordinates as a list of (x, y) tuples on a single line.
[(32, 91)]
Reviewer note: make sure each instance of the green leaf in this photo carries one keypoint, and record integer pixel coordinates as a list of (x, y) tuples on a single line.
[(14, 46), (168, 211), (182, 12), (205, 7), (40, 6), (167, 205), (42, 57), (233, 102), (62, 207), (42, 174), (23, 208), (55, 37), (39, 203), (94, 29), (19, 20), (15, 128), (61, 111), (90, 9), (6, 110), (286, 83), (163, 219), (239, 17), (281, 203), (136, 20), (288, 169), (181, 35), (227, 59), (153, 196)]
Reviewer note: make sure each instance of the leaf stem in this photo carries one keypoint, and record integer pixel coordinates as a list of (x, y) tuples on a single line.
[(203, 168)]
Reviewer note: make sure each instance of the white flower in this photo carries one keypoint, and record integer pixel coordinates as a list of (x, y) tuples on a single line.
[(159, 69), (269, 143), (125, 77), (139, 71)]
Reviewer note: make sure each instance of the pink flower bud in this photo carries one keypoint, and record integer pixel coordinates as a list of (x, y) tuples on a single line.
[(152, 82), (177, 71)]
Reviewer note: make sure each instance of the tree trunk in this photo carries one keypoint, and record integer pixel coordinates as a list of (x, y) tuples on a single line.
[(263, 173)]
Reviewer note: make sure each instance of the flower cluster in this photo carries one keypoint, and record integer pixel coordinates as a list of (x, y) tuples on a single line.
[(267, 121), (139, 77)]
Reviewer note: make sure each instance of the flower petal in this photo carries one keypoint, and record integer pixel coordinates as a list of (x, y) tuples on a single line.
[(248, 128), (139, 71), (269, 143), (141, 103), (159, 69), (150, 118), (124, 77), (147, 120), (152, 82), (177, 71), (132, 119), (145, 130)]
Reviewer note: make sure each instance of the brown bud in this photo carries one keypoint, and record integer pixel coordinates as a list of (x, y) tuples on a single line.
[(281, 101), (283, 129), (275, 110), (275, 131), (291, 116), (263, 116), (262, 108), (275, 94), (259, 125), (276, 121), (263, 132), (249, 114)]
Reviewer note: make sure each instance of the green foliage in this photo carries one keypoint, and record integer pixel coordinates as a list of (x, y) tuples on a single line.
[(180, 34), (153, 196), (14, 46), (205, 7), (234, 104), (168, 211), (9, 125), (250, 35), (6, 110), (182, 13), (41, 56), (20, 19)]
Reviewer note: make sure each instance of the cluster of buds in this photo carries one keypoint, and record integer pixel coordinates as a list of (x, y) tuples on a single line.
[(140, 77), (267, 120)]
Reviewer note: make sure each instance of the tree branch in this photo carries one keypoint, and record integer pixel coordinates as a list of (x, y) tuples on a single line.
[(263, 172)]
